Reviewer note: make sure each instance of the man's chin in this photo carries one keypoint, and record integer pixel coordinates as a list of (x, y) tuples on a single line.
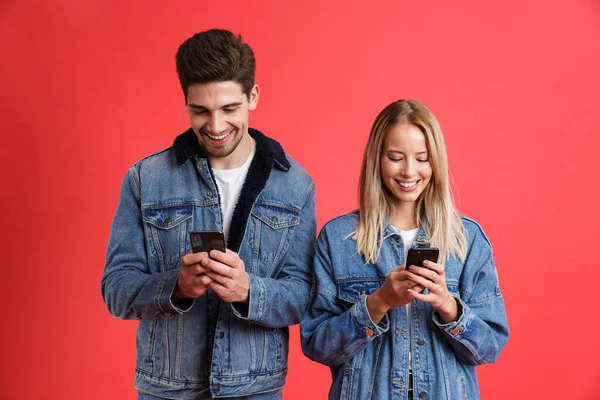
[(218, 152), (224, 150)]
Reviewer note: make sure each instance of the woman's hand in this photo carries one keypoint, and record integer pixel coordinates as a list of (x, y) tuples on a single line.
[(393, 293), (433, 277)]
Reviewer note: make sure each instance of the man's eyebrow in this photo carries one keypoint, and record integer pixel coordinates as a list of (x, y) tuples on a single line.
[(199, 107), (231, 105)]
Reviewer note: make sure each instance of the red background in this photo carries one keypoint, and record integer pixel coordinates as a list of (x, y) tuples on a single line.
[(88, 88)]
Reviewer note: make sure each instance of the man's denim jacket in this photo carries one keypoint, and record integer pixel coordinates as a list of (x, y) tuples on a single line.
[(208, 347), (371, 361)]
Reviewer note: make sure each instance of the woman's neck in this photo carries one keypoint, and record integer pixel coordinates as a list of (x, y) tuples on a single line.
[(405, 216)]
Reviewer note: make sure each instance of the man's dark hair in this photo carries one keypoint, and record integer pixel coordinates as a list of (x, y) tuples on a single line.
[(215, 55)]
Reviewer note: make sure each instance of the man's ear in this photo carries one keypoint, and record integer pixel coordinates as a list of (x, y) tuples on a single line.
[(253, 100)]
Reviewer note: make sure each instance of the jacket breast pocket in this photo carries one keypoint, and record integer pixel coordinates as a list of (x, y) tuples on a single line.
[(271, 229), (351, 291), (167, 230)]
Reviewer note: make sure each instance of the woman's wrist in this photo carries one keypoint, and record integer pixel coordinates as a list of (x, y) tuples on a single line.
[(376, 307), (449, 310)]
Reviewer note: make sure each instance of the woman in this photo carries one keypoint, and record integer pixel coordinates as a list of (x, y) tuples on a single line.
[(387, 331)]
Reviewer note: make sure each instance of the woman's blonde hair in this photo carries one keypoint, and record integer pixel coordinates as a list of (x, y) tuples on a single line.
[(443, 225)]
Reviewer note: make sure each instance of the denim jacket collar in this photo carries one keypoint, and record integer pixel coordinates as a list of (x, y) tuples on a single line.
[(269, 155), (421, 236), (186, 146)]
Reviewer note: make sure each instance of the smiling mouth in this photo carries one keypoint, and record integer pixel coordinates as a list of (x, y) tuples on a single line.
[(218, 137), (408, 185)]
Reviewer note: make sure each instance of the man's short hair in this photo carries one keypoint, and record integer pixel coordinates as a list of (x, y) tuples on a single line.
[(215, 55)]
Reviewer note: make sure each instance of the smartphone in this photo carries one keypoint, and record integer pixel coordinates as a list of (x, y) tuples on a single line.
[(416, 255), (207, 241)]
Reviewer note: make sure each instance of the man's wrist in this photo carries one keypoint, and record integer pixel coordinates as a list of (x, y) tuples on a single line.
[(177, 296), (247, 299)]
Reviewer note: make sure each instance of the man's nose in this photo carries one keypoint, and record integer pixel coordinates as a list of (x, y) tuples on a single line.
[(216, 124)]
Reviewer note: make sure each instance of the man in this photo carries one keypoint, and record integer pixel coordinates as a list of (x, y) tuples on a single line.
[(213, 325)]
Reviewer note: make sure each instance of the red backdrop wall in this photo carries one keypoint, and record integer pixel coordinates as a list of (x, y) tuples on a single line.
[(88, 88)]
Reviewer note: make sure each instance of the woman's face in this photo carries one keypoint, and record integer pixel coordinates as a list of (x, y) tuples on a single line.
[(405, 166)]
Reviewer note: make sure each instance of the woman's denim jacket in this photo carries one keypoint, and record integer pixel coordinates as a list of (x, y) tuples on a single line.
[(209, 347), (371, 361)]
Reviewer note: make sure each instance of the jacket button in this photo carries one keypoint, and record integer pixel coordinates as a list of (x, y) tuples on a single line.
[(167, 220), (209, 194), (221, 335), (421, 341), (423, 395), (274, 219), (455, 331)]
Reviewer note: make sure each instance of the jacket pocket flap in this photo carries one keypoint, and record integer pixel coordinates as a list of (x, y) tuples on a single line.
[(353, 291), (276, 216), (167, 217), (452, 285)]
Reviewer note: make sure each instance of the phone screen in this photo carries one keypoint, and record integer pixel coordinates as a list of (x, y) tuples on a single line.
[(207, 241)]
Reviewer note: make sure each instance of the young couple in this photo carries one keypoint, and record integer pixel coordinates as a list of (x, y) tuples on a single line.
[(216, 325)]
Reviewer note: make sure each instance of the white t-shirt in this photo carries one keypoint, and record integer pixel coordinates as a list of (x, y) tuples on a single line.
[(230, 182)]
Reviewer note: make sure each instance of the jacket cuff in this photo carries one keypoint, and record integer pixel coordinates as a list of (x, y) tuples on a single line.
[(254, 310), (368, 329), (457, 328), (164, 295)]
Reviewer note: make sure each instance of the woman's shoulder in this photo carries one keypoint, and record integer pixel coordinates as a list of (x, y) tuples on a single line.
[(343, 224), (474, 231)]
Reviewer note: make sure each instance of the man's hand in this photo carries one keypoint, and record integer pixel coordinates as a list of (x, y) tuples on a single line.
[(192, 281), (228, 274)]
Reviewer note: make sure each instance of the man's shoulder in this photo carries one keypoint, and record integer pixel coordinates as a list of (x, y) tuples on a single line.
[(157, 162), (291, 187), (171, 157), (297, 171)]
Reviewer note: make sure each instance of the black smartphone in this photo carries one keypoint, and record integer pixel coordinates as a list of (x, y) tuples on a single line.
[(207, 241), (416, 255)]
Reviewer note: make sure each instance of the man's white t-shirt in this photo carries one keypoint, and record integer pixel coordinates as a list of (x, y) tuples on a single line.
[(230, 182)]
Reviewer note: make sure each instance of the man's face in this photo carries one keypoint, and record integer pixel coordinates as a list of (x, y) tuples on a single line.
[(219, 116)]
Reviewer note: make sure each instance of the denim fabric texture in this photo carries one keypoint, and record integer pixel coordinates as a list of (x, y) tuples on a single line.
[(371, 361), (207, 347), (262, 396)]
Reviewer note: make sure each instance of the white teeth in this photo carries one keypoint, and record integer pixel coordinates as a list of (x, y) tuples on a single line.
[(218, 137), (408, 184)]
